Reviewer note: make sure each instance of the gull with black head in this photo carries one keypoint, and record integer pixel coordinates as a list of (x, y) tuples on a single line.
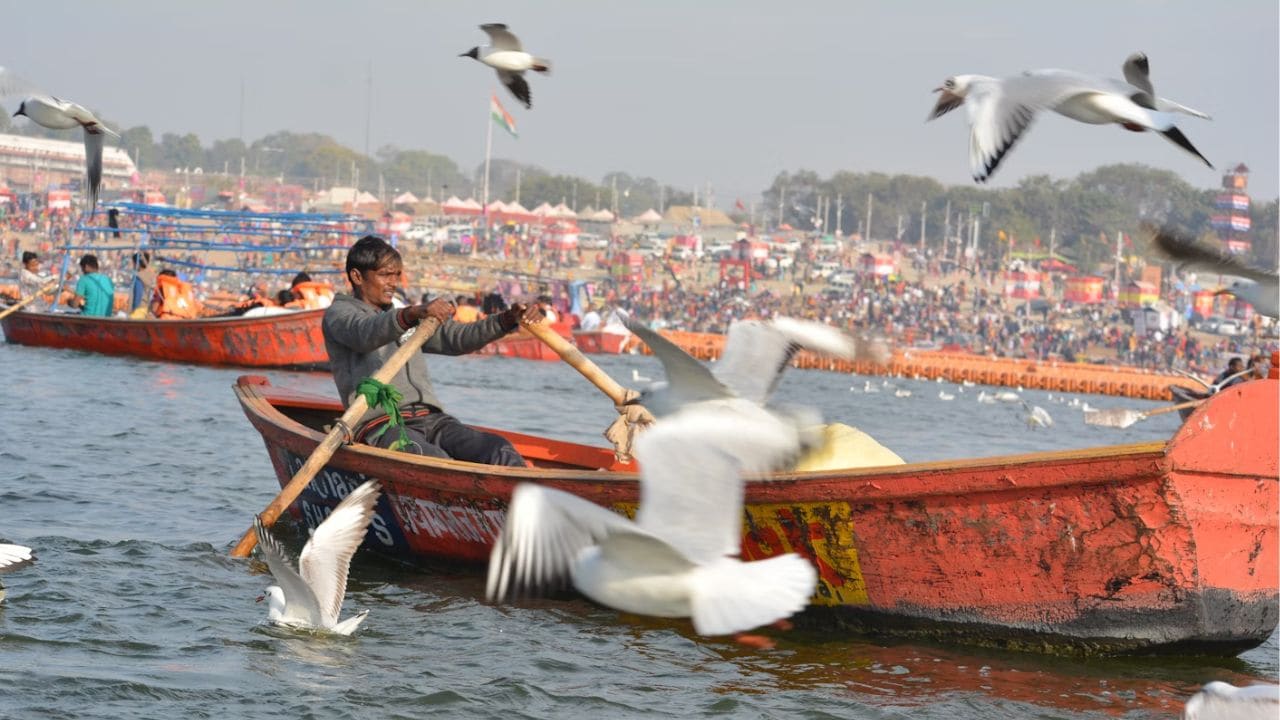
[(507, 57)]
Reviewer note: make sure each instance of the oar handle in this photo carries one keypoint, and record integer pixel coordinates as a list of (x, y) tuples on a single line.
[(336, 437), (574, 357), (28, 300)]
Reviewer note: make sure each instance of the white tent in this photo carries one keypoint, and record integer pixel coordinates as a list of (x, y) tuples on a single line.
[(405, 198), (648, 217), (600, 216), (563, 211)]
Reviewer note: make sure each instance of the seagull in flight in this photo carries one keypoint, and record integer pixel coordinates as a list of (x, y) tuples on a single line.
[(505, 55), (311, 597), (1001, 109), (1258, 286), (679, 557), (756, 352), (57, 114), (14, 557), (1224, 701)]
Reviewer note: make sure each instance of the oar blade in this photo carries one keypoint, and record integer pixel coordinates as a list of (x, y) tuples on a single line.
[(1115, 418)]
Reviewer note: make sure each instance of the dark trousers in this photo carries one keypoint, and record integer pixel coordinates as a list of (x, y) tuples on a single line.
[(438, 434)]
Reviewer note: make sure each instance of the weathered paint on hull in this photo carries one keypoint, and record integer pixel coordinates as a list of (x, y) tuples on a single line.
[(1147, 548), (284, 340)]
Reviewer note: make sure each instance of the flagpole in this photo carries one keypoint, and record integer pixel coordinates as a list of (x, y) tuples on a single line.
[(488, 149)]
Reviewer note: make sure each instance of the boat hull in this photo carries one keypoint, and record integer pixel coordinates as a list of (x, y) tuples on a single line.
[(1138, 548), (292, 340), (597, 342)]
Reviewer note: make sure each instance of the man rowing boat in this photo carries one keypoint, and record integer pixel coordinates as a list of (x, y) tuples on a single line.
[(363, 329)]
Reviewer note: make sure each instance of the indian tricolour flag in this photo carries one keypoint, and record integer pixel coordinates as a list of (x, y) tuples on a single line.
[(502, 117)]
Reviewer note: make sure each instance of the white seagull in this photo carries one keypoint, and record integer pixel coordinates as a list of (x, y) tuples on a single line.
[(311, 597), (57, 114), (1037, 416), (1258, 286), (505, 55), (1223, 701), (14, 557), (756, 352), (678, 558), (1001, 109), (944, 395)]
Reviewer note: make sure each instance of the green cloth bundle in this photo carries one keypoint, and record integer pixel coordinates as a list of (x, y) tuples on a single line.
[(382, 395)]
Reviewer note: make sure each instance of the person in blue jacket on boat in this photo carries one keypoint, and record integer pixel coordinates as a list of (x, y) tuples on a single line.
[(362, 330), (95, 293)]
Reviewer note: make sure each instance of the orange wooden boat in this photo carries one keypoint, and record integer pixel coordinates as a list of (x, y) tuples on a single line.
[(283, 340), (1153, 547), (599, 342), (522, 345)]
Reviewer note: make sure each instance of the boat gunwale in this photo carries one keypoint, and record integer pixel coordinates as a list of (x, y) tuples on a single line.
[(45, 316), (1115, 464)]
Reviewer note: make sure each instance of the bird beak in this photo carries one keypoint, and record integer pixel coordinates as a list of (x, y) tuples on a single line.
[(260, 598)]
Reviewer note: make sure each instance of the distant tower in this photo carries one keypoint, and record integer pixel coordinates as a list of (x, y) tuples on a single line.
[(1232, 219)]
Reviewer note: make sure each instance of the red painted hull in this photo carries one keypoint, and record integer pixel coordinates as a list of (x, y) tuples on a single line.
[(604, 343), (525, 346), (1157, 547), (283, 340)]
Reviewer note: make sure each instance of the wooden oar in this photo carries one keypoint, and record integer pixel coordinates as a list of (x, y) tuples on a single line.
[(28, 300), (1124, 417), (574, 357), (336, 437)]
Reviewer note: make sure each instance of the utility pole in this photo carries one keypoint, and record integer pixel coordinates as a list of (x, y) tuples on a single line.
[(368, 107), (923, 220), (782, 200), (840, 214), (870, 204), (1119, 259), (898, 235), (662, 199), (241, 111), (1053, 241)]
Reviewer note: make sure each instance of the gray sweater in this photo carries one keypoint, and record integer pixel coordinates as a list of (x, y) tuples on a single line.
[(360, 338)]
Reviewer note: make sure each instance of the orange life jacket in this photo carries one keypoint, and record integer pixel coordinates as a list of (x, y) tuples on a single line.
[(177, 300), (311, 295), (466, 313)]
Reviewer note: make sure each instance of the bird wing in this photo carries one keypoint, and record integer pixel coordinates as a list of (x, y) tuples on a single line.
[(326, 557), (996, 122), (93, 165), (500, 38), (299, 601), (692, 465), (13, 557), (1197, 256), (1137, 72), (518, 86), (544, 531), (687, 378), (756, 353), (1223, 700)]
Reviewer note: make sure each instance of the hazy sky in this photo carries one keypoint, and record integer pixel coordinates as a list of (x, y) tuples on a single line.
[(729, 93)]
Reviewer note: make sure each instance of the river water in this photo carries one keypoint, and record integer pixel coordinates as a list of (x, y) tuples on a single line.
[(132, 479)]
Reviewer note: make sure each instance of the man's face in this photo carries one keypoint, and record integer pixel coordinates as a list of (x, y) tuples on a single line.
[(33, 264), (378, 286)]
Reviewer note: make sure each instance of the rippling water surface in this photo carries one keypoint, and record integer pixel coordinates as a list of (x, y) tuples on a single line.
[(133, 479)]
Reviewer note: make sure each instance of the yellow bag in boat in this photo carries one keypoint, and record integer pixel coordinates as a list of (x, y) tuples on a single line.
[(844, 447)]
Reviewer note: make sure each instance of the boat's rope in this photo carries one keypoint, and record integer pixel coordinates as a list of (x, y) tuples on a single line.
[(382, 395)]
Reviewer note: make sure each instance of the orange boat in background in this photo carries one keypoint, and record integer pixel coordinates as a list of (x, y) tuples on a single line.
[(521, 344), (601, 342), (957, 367), (1167, 547), (281, 340)]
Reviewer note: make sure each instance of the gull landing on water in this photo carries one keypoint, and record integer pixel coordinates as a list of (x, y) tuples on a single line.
[(1223, 701), (505, 55), (1001, 109), (311, 597)]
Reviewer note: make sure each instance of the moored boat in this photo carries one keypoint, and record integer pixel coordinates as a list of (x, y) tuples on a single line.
[(283, 340), (1153, 547), (521, 344)]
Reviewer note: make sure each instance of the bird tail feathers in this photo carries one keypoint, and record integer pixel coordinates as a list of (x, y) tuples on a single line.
[(733, 596), (348, 626)]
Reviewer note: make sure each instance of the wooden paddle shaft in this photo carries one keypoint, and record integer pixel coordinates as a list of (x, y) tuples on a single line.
[(28, 300), (572, 355), (1171, 408), (336, 437)]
